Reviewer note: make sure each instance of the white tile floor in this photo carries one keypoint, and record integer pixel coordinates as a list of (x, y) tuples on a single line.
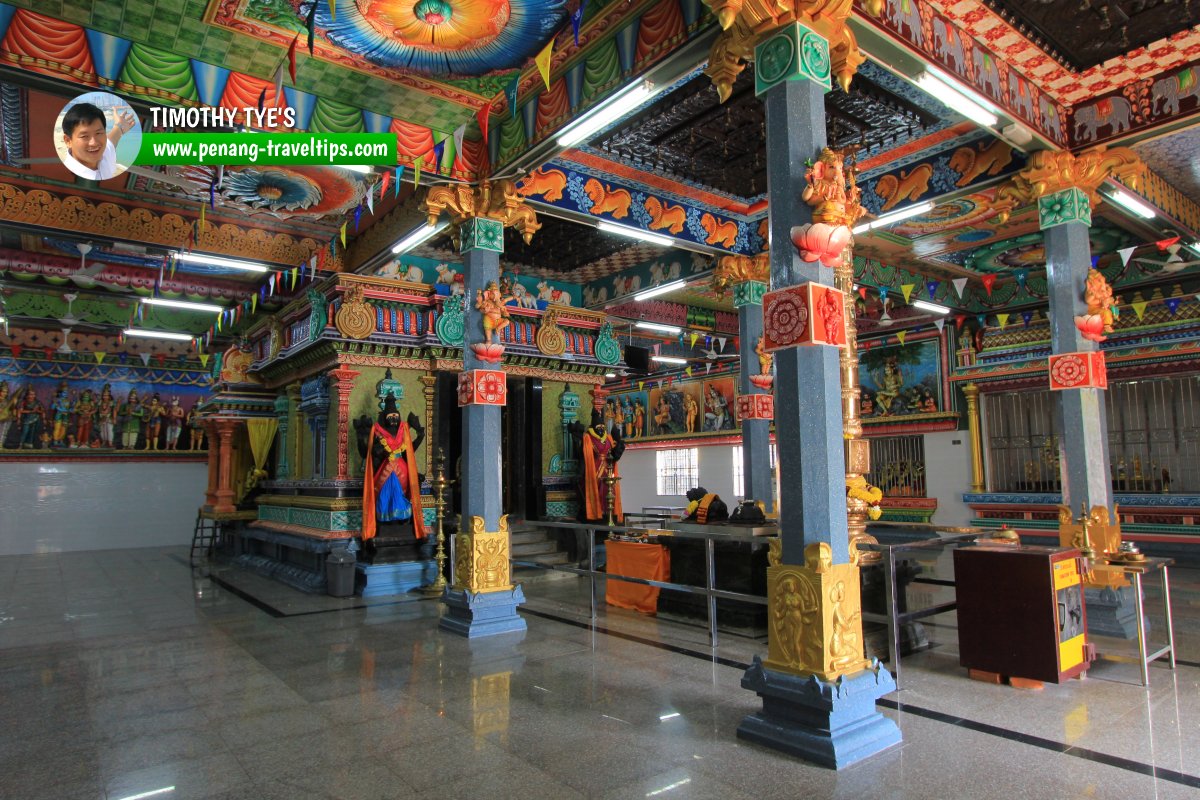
[(124, 675)]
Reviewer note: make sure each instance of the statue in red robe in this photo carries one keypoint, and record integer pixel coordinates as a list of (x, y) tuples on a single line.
[(391, 483), (601, 451)]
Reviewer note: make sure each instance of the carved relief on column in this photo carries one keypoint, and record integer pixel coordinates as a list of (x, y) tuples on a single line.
[(214, 457), (224, 495), (971, 393), (1065, 185), (429, 382), (343, 378), (295, 439)]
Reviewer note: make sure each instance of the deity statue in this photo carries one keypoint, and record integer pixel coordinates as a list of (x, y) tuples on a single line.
[(154, 418), (639, 418), (1100, 304), (174, 423), (62, 415), (106, 416), (85, 418), (610, 415), (601, 452), (8, 410), (490, 303), (133, 413), (627, 414), (765, 360), (718, 409), (691, 409), (391, 483), (32, 418), (662, 415), (195, 425), (844, 647), (891, 385), (618, 416)]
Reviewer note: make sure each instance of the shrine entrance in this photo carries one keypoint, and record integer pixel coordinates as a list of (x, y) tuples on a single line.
[(522, 449)]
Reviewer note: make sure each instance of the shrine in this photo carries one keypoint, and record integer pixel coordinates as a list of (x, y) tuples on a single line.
[(608, 398)]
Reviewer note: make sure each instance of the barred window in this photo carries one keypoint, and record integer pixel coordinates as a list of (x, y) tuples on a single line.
[(678, 470), (739, 475)]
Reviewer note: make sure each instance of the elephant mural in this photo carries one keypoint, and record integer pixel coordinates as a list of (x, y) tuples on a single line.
[(1020, 95), (1169, 91), (903, 14), (947, 46), (1114, 113), (987, 74)]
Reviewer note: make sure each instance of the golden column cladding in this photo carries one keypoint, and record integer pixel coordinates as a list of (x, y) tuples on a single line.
[(429, 382), (1050, 171), (481, 558), (815, 617), (975, 429)]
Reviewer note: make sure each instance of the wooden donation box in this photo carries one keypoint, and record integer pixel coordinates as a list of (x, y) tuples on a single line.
[(636, 560), (1021, 612)]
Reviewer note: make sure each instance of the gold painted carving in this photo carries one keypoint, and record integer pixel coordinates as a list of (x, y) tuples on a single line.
[(498, 200), (550, 338), (832, 190), (732, 270), (815, 617), (355, 319), (74, 213), (745, 23), (1104, 536), (775, 552), (1050, 171), (481, 562)]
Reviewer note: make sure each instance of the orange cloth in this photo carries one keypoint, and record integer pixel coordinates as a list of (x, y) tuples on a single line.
[(648, 561), (595, 467), (371, 476)]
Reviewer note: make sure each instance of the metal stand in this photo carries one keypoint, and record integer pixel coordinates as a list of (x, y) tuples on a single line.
[(440, 483), (610, 480)]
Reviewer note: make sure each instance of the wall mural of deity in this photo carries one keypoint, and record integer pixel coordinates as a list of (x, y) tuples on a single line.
[(81, 416), (901, 380)]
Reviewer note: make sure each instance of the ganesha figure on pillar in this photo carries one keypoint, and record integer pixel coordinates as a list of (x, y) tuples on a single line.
[(494, 313), (1100, 306)]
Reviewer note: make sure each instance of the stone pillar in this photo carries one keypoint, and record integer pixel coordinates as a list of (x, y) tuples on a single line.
[(429, 388), (224, 495), (282, 469), (214, 455), (342, 379), (818, 691), (296, 442), (975, 429), (749, 277), (483, 600)]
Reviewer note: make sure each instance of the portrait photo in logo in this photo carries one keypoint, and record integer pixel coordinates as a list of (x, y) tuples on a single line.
[(97, 136)]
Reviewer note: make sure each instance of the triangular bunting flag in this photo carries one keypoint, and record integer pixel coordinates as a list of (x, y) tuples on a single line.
[(1021, 275), (145, 359), (1002, 319), (577, 20), (931, 287), (988, 282), (721, 343), (1126, 253), (253, 303), (439, 150), (542, 60), (1026, 317), (940, 322), (294, 272), (370, 203), (862, 292), (1163, 244), (959, 319), (384, 182), (333, 10), (641, 385), (399, 180), (694, 336), (981, 319), (417, 171), (292, 58), (262, 99), (688, 371), (707, 367), (202, 218), (907, 288), (204, 359), (1095, 262), (357, 217), (311, 24), (1172, 304), (278, 81), (483, 116), (900, 335), (959, 285), (99, 356), (883, 293), (1139, 308), (459, 133), (343, 234)]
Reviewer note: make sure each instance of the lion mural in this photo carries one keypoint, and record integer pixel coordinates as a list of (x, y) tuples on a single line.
[(990, 159), (909, 186), (665, 216), (724, 233), (547, 183), (606, 200)]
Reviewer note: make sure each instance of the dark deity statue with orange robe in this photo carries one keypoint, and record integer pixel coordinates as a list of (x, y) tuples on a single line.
[(392, 516), (601, 450)]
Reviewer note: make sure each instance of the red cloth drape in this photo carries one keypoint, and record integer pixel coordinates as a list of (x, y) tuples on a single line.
[(637, 560), (660, 27), (554, 105), (242, 91), (413, 141), (34, 35)]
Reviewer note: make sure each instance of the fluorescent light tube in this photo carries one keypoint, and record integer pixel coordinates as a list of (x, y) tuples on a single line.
[(657, 290), (957, 97), (149, 334), (358, 168), (895, 216), (656, 326), (418, 236), (634, 233), (606, 113), (1131, 203), (220, 261), (669, 359), (162, 301), (927, 306), (1194, 247), (610, 374)]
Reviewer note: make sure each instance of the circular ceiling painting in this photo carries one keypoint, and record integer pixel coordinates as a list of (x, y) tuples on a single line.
[(440, 37), (1029, 252)]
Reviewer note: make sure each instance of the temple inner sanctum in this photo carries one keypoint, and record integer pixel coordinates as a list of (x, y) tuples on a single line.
[(599, 398)]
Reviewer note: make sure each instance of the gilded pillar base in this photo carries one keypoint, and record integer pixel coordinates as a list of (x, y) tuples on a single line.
[(483, 600), (475, 615)]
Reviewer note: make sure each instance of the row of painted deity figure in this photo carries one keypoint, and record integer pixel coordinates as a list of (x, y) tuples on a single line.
[(85, 420)]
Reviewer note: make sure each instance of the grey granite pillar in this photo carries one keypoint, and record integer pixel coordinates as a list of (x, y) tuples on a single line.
[(756, 435)]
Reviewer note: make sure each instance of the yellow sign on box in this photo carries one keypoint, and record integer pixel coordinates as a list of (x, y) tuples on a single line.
[(1066, 573), (1070, 652)]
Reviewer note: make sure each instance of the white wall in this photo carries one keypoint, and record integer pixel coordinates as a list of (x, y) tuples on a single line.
[(89, 505), (947, 476)]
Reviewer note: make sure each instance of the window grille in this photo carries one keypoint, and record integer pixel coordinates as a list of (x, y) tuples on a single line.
[(898, 465), (739, 475), (678, 470)]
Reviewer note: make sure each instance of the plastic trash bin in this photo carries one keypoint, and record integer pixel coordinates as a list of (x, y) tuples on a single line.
[(339, 573)]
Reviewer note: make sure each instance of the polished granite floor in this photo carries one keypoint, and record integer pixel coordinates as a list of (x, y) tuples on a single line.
[(124, 674)]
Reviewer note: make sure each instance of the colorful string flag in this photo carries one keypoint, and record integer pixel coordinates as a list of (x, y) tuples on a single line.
[(483, 116), (907, 289), (542, 60), (900, 335), (1173, 304), (707, 367), (510, 92), (253, 303), (399, 179), (577, 20), (145, 359), (688, 371), (931, 287), (202, 218), (295, 274), (641, 385), (311, 24), (960, 284), (1002, 319), (657, 347), (692, 339), (272, 281), (883, 293), (1126, 253), (940, 322), (262, 99), (1139, 308), (204, 359), (357, 216), (1026, 317), (384, 182), (291, 56), (1095, 262), (1021, 275), (343, 234), (417, 163), (278, 81), (981, 319), (1163, 244), (988, 282), (459, 133), (439, 150), (959, 319), (862, 292), (99, 356), (333, 10)]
